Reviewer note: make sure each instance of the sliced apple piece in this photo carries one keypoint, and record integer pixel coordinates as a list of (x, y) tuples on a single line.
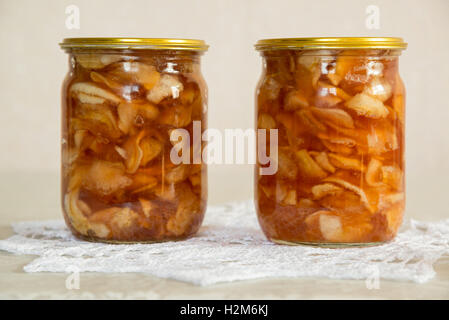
[(344, 162), (167, 86), (374, 173), (265, 121), (336, 116), (322, 190), (307, 166), (367, 106), (295, 100), (87, 90), (379, 88)]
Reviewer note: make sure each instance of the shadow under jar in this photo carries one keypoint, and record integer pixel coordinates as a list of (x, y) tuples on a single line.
[(125, 102), (338, 105)]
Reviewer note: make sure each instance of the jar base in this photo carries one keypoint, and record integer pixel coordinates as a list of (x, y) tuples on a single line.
[(331, 245), (111, 241)]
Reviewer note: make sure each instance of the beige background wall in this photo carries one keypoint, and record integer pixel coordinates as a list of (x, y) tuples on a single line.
[(32, 68)]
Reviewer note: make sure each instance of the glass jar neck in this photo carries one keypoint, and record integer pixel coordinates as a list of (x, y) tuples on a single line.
[(269, 54), (171, 61), (284, 61)]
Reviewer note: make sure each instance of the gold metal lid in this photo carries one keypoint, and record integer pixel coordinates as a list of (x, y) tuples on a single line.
[(134, 43), (331, 43)]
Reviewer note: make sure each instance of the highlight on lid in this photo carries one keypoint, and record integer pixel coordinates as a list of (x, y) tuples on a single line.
[(331, 43), (135, 43)]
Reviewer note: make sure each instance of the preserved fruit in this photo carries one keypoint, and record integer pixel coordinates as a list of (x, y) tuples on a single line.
[(119, 109), (339, 113)]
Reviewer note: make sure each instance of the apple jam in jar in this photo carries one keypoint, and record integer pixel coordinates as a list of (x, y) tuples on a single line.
[(338, 107), (125, 102)]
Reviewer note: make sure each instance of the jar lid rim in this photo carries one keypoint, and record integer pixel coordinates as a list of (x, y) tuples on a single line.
[(331, 43), (135, 43)]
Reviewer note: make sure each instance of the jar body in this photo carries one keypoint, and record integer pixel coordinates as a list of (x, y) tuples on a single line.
[(340, 156), (120, 111)]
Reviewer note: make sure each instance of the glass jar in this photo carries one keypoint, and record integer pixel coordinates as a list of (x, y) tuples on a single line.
[(126, 103), (338, 107)]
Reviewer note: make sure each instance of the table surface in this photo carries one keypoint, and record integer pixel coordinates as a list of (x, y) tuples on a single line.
[(16, 284)]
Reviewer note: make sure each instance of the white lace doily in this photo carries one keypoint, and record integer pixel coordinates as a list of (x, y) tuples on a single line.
[(230, 247)]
